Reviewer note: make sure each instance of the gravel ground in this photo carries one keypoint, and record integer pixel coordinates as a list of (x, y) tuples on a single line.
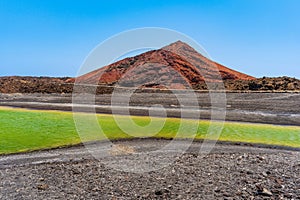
[(228, 172), (273, 108)]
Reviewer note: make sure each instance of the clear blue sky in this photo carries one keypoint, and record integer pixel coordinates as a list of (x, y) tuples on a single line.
[(52, 37)]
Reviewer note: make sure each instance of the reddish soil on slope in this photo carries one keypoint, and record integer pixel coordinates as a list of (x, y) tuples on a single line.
[(176, 66)]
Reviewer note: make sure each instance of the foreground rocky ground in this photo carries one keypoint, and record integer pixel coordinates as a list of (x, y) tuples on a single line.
[(228, 172)]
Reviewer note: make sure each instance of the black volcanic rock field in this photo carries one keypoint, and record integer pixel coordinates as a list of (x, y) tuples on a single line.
[(27, 84), (48, 85)]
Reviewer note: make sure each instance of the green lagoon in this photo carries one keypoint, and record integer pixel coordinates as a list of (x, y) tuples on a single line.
[(24, 130)]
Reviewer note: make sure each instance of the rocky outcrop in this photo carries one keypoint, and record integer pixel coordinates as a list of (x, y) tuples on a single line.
[(26, 84)]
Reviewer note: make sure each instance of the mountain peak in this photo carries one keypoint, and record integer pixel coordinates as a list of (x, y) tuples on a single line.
[(178, 43), (178, 46), (169, 59)]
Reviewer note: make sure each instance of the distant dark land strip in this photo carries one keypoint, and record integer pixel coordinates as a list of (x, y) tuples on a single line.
[(271, 108), (27, 84)]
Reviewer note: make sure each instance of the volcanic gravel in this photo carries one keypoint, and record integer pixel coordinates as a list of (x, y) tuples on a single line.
[(273, 108), (228, 172)]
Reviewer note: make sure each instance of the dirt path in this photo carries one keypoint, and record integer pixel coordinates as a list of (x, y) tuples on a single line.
[(228, 172)]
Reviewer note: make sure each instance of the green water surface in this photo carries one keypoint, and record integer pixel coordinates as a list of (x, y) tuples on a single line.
[(26, 130)]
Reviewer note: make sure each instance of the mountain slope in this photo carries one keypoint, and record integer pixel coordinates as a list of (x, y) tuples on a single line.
[(174, 66)]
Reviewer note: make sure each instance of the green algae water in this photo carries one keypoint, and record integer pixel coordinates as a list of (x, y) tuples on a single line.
[(24, 130)]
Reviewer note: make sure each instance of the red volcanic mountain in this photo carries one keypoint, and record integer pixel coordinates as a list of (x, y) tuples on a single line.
[(174, 66)]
